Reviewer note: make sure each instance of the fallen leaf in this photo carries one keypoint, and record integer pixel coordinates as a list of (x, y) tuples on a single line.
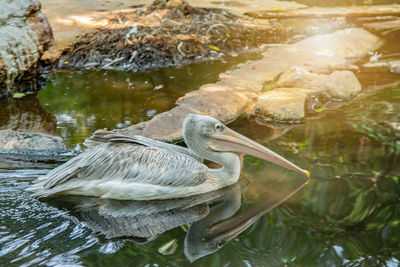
[(18, 95), (268, 87), (214, 48)]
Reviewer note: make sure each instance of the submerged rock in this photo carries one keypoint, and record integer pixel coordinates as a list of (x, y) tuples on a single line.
[(24, 35), (12, 140)]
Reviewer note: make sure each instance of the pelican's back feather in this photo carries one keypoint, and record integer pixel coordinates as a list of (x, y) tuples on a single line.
[(102, 136)]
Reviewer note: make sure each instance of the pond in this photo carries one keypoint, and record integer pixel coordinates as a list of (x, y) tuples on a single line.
[(346, 214)]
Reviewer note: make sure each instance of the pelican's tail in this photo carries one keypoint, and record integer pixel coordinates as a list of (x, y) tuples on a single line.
[(39, 191), (53, 182)]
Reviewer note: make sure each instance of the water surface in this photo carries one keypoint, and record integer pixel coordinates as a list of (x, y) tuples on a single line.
[(347, 215)]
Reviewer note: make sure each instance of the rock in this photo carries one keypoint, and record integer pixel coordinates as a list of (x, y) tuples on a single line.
[(12, 140), (283, 104), (392, 65), (223, 104), (24, 35), (298, 77), (309, 93), (329, 51), (237, 90), (322, 64), (380, 26), (350, 44), (340, 84)]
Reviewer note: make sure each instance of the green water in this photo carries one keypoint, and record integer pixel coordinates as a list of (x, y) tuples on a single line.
[(348, 214)]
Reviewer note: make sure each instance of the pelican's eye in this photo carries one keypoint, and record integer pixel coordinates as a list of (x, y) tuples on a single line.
[(221, 243), (219, 127)]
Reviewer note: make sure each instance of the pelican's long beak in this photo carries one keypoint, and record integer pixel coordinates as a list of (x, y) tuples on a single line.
[(231, 141)]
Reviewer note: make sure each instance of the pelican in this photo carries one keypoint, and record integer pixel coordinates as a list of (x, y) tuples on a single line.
[(137, 168)]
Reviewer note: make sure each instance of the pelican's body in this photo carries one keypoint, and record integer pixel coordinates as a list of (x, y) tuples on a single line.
[(138, 168)]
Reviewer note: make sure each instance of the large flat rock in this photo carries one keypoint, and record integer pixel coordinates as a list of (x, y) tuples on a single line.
[(237, 90)]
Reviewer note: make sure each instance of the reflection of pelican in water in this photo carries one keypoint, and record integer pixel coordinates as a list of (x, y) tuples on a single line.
[(141, 220), (222, 224), (138, 168), (211, 215)]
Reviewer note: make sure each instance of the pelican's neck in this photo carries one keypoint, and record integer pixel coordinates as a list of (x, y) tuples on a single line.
[(229, 172)]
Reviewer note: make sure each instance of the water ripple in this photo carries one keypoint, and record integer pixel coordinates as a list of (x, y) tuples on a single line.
[(32, 232)]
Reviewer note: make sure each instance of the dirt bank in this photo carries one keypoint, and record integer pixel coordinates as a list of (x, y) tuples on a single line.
[(166, 35)]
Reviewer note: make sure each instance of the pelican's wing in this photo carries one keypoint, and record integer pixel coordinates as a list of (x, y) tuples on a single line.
[(102, 136), (123, 161)]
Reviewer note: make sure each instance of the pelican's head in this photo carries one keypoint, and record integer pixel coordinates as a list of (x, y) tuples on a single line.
[(204, 133)]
